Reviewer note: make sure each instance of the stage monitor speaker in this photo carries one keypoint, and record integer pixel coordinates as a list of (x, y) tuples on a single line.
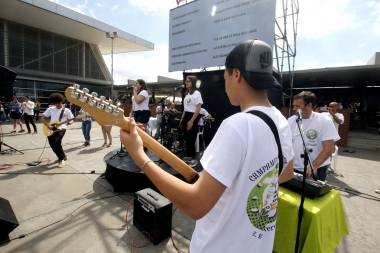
[(7, 78), (8, 220), (153, 214)]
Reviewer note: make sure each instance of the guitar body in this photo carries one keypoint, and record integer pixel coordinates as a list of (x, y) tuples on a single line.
[(56, 128)]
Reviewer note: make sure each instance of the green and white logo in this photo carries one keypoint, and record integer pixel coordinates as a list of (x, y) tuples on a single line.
[(311, 134)]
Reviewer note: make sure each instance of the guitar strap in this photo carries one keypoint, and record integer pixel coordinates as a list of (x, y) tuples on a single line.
[(273, 127), (60, 116)]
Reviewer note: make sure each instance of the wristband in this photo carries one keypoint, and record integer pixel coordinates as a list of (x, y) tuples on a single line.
[(142, 167)]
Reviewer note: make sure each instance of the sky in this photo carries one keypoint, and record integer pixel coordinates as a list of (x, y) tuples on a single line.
[(330, 33)]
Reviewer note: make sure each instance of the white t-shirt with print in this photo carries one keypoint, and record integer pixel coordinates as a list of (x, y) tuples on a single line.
[(338, 115), (54, 114), (191, 100), (243, 156), (317, 128), (204, 113), (28, 108), (144, 105)]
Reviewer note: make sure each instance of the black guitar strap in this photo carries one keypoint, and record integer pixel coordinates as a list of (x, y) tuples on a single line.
[(60, 116), (273, 127)]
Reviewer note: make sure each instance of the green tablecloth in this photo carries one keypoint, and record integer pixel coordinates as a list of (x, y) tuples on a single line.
[(323, 223)]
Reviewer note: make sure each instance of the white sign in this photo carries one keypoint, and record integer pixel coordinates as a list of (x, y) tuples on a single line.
[(203, 32)]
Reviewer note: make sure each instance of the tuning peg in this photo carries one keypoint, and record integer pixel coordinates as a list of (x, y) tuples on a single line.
[(76, 86), (116, 112), (74, 94), (94, 94), (85, 90), (109, 109)]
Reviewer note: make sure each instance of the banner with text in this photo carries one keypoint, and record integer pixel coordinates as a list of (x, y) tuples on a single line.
[(203, 32)]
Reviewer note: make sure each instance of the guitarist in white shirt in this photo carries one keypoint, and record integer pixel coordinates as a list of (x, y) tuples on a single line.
[(55, 112)]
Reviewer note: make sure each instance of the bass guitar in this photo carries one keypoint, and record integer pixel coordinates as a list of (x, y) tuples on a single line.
[(108, 114), (56, 127)]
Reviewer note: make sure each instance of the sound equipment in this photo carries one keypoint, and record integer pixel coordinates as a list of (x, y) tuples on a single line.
[(7, 78), (314, 189), (8, 220), (153, 214)]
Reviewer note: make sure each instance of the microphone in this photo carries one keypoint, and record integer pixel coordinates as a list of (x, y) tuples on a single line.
[(129, 87), (299, 114), (179, 87)]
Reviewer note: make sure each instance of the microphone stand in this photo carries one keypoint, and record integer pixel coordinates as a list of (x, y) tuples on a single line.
[(306, 161)]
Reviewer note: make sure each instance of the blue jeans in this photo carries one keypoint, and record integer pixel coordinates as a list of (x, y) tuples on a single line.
[(86, 128), (322, 173)]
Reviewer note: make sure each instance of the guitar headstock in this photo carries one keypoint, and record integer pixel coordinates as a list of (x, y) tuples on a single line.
[(103, 112)]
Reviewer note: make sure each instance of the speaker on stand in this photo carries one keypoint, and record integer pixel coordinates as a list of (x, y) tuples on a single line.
[(8, 220)]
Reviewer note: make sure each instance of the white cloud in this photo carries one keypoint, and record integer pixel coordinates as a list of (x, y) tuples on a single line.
[(92, 12), (99, 5), (375, 7), (317, 65), (114, 8), (78, 8), (156, 7), (361, 45), (146, 65), (319, 18)]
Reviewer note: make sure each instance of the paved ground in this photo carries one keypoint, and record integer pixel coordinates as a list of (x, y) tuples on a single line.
[(71, 210)]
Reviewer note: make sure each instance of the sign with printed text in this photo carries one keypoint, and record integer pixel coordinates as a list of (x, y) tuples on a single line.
[(203, 32)]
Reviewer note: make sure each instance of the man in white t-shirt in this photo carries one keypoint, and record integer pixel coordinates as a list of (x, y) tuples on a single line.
[(337, 118), (319, 134), (28, 107), (65, 117), (235, 198)]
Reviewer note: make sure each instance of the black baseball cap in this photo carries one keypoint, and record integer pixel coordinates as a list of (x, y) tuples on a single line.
[(255, 61)]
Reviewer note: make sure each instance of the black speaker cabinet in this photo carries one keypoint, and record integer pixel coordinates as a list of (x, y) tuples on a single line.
[(7, 78), (8, 220), (153, 214)]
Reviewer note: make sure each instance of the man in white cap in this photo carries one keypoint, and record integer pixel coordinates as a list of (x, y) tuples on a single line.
[(236, 194)]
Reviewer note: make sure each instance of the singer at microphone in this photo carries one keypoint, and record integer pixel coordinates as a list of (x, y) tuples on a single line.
[(319, 135)]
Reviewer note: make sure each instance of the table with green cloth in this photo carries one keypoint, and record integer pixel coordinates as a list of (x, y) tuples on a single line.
[(323, 224)]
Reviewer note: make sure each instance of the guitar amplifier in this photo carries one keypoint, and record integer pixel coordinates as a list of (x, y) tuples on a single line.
[(153, 214)]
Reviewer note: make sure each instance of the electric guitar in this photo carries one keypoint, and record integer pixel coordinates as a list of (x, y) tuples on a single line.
[(56, 127), (108, 114)]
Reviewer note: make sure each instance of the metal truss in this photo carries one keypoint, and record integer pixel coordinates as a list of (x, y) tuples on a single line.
[(285, 40)]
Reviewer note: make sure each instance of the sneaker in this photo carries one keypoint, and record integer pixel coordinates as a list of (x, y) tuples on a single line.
[(21, 131), (109, 145), (187, 159), (35, 132), (104, 145), (87, 144), (13, 131), (377, 191), (29, 133), (61, 164), (192, 163), (84, 144)]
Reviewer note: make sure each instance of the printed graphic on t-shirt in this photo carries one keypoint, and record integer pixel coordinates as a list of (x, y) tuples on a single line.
[(311, 134), (189, 100), (262, 200)]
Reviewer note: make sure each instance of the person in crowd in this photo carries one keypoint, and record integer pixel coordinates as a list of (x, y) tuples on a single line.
[(106, 130), (224, 200), (28, 106), (337, 118), (159, 122), (73, 109), (15, 114), (7, 110), (37, 108), (3, 116), (58, 112), (190, 118), (319, 134), (204, 115), (172, 107), (140, 103), (86, 126)]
